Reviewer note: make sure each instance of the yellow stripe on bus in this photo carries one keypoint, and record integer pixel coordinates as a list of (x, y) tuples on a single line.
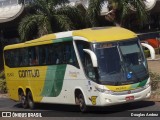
[(119, 88)]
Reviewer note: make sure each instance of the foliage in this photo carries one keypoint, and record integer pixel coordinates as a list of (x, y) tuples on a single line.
[(3, 87), (155, 80), (2, 75), (47, 16), (121, 11), (94, 10), (147, 53)]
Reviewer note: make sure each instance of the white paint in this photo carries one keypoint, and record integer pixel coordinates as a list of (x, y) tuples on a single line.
[(79, 38), (151, 49), (93, 57), (63, 34), (73, 78)]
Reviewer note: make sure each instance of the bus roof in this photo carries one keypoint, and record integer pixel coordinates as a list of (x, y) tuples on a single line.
[(98, 34), (105, 34)]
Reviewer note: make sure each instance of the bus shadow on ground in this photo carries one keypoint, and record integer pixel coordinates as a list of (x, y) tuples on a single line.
[(135, 106)]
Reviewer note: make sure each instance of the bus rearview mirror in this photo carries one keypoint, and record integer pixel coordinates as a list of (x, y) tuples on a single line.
[(93, 57)]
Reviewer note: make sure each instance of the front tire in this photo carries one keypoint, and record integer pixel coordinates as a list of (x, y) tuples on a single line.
[(30, 100), (82, 103)]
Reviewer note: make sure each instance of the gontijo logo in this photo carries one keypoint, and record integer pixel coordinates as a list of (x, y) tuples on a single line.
[(29, 73)]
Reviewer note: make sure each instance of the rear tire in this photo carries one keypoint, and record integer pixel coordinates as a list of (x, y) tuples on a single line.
[(82, 104), (23, 100), (30, 100)]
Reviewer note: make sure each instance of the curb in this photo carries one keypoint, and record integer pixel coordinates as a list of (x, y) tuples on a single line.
[(4, 96)]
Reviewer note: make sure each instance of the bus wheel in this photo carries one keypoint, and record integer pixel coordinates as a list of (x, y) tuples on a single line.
[(23, 100), (30, 100), (82, 103)]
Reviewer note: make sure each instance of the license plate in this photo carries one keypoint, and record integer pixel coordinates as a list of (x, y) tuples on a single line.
[(128, 98)]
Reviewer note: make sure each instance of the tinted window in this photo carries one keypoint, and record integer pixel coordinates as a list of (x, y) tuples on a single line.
[(52, 54), (33, 55), (23, 57), (86, 59)]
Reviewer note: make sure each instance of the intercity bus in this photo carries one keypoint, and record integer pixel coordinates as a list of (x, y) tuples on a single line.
[(89, 67)]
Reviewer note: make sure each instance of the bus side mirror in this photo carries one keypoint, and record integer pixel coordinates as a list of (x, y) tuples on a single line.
[(93, 57)]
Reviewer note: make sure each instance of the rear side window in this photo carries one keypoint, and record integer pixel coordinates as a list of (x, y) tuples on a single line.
[(50, 54)]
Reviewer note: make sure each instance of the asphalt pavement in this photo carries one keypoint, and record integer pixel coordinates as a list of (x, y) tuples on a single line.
[(69, 112)]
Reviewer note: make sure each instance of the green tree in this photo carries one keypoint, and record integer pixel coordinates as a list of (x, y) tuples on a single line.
[(120, 11), (47, 16)]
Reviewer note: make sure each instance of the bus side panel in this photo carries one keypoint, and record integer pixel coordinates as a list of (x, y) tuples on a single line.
[(74, 78), (53, 81), (14, 82), (59, 84), (37, 82), (25, 77)]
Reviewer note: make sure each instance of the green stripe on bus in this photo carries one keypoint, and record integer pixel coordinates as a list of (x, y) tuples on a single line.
[(54, 80), (141, 84), (63, 39), (134, 86)]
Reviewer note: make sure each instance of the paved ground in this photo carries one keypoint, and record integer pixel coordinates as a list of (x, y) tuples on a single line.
[(68, 112), (154, 65)]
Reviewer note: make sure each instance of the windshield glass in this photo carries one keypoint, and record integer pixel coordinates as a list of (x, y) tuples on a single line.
[(121, 62)]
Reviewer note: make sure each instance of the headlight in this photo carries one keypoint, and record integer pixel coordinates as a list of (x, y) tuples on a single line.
[(104, 90)]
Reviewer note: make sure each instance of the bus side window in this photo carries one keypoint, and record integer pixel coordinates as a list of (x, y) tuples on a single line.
[(58, 55), (9, 57), (50, 52), (85, 59), (69, 55), (23, 57), (42, 55), (16, 57), (20, 57), (33, 56), (12, 60), (88, 66)]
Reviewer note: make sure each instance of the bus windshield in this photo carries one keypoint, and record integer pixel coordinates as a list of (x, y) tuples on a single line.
[(121, 62)]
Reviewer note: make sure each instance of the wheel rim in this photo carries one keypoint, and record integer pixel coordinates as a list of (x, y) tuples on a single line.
[(81, 104), (30, 101), (23, 100)]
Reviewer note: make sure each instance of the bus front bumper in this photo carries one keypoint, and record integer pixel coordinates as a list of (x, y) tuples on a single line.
[(108, 99)]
